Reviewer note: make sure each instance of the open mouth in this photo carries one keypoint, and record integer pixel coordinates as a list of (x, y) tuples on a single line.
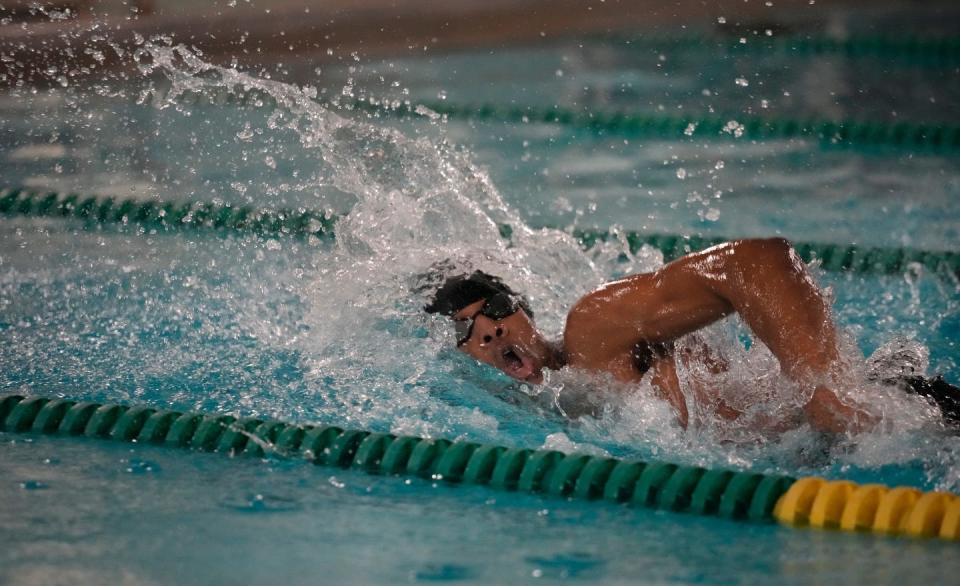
[(512, 359), (516, 364)]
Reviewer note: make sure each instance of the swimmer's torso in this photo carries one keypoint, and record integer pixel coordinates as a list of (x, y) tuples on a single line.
[(658, 365), (607, 331)]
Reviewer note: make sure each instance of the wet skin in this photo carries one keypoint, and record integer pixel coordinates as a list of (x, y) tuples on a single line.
[(762, 280)]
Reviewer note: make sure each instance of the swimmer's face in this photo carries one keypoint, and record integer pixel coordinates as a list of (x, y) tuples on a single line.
[(511, 344)]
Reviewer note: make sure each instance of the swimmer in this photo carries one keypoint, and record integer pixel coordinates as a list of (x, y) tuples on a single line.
[(627, 328)]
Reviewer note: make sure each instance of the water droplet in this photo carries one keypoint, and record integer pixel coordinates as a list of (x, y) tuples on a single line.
[(261, 503), (443, 573), (565, 565), (733, 127), (138, 466), (246, 134)]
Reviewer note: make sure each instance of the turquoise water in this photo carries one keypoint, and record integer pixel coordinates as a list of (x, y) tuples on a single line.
[(328, 332), (149, 515)]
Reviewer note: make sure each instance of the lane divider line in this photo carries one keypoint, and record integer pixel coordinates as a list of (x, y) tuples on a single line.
[(920, 138), (744, 496), (931, 138), (911, 48), (301, 222)]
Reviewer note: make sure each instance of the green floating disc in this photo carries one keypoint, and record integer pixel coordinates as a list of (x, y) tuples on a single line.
[(482, 462), (290, 439), (237, 434), (593, 478), (209, 431), (705, 499), (316, 441), (622, 481), (157, 425), (678, 491), (182, 429), (49, 418), (736, 499), (75, 420), (454, 461), (651, 482), (103, 419), (425, 455), (342, 450), (538, 466), (22, 416), (509, 466), (130, 423), (398, 454), (7, 404), (262, 438), (371, 451), (563, 478), (765, 498)]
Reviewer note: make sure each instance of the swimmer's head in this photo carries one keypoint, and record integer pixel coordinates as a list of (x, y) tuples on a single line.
[(459, 291), (493, 323)]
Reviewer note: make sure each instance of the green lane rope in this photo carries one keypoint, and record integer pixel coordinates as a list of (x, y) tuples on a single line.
[(158, 215), (919, 138), (833, 257), (165, 215), (915, 49), (692, 489)]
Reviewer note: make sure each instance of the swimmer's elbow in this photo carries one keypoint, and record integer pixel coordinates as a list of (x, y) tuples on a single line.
[(765, 252)]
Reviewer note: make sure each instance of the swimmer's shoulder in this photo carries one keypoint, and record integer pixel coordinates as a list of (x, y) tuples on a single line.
[(609, 301), (601, 330)]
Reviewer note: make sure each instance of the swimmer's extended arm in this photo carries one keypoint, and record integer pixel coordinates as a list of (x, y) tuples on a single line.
[(762, 280)]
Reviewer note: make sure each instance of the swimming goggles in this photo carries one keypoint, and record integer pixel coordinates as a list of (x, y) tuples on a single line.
[(496, 308)]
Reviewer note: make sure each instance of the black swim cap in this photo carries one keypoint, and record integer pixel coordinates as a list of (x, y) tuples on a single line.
[(460, 291)]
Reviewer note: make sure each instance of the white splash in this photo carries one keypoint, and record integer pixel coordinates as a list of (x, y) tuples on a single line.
[(373, 357)]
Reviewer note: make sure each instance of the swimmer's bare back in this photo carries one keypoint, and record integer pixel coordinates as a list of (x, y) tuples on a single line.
[(762, 280)]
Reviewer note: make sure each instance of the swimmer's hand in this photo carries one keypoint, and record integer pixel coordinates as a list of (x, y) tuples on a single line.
[(826, 412)]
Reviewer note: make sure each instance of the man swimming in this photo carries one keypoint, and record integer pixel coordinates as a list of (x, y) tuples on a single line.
[(627, 328)]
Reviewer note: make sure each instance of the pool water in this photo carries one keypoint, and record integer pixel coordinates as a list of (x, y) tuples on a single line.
[(329, 332), (150, 515)]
